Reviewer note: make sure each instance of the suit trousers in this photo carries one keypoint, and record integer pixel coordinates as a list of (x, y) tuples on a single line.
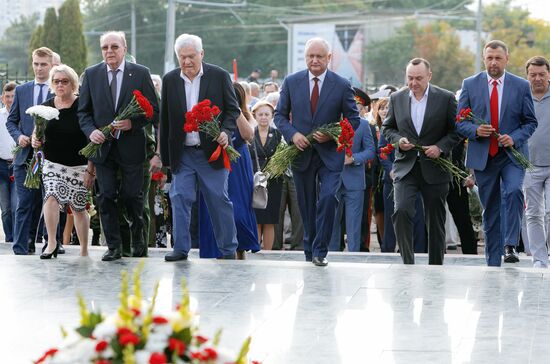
[(434, 196), (500, 174), (316, 189), (194, 171), (459, 206), (537, 213), (27, 201), (8, 199), (352, 202), (120, 182), (288, 196)]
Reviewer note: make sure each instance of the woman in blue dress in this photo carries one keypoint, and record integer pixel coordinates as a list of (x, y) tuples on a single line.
[(240, 186)]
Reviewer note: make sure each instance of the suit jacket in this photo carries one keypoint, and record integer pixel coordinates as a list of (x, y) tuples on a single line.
[(336, 100), (96, 109), (517, 115), (20, 123), (264, 151), (216, 86), (363, 149), (438, 128)]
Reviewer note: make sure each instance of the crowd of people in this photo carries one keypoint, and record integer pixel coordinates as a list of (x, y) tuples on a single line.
[(156, 184)]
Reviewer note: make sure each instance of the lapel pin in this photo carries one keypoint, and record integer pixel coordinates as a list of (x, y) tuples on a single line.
[(129, 74)]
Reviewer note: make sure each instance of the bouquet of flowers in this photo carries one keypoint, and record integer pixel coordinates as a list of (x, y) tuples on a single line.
[(138, 334), (204, 117), (42, 115), (342, 132), (159, 178), (467, 114), (138, 106), (445, 164)]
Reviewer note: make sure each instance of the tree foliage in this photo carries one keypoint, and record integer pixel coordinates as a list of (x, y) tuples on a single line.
[(72, 48), (437, 42), (13, 45), (50, 30)]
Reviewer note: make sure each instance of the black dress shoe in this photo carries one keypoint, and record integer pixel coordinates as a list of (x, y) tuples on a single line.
[(175, 256), (320, 262), (139, 251), (60, 249), (31, 248), (110, 255), (510, 254)]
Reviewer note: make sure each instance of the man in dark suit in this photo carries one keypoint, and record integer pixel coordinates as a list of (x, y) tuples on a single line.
[(504, 100), (20, 126), (106, 89), (315, 97), (420, 114), (187, 154)]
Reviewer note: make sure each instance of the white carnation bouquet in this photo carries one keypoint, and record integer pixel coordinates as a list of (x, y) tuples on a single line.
[(42, 115), (138, 334)]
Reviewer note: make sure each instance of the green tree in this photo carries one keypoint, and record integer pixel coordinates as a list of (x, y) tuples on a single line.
[(50, 30), (72, 47), (34, 42), (13, 45)]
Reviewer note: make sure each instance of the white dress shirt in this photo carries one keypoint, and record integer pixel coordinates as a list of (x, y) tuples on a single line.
[(500, 89), (192, 98), (418, 109), (45, 90), (119, 77), (6, 141), (321, 79)]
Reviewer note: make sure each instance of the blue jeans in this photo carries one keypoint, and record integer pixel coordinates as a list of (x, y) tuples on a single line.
[(8, 199)]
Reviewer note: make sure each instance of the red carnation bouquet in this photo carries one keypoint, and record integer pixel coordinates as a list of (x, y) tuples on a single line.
[(467, 114), (160, 178), (203, 117), (443, 163), (139, 106), (342, 132)]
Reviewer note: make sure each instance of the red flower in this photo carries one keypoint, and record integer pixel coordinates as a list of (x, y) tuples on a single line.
[(159, 320), (383, 156), (103, 361), (144, 104), (158, 358), (201, 339), (87, 205), (12, 178), (126, 337), (176, 346), (135, 311), (211, 354), (45, 356), (345, 140), (158, 176), (215, 110), (102, 345)]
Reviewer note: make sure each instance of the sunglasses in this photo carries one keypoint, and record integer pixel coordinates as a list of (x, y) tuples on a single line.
[(113, 47), (63, 82)]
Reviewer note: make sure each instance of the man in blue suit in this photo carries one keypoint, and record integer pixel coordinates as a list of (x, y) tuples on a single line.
[(504, 100), (188, 154), (352, 189), (315, 97), (20, 126)]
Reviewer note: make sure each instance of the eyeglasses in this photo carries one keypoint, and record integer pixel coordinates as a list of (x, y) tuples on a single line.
[(113, 47), (64, 82)]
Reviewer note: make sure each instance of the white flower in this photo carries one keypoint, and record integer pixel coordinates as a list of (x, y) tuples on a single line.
[(106, 329), (82, 351), (142, 356), (44, 112)]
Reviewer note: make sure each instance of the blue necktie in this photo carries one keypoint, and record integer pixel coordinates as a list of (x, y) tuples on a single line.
[(40, 98)]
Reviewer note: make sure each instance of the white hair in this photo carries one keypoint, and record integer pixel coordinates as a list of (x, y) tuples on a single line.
[(119, 34), (273, 98), (322, 41), (186, 40)]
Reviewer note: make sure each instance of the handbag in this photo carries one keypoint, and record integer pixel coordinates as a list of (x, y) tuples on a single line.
[(259, 193)]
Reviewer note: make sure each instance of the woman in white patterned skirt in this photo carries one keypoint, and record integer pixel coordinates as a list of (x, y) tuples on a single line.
[(66, 175)]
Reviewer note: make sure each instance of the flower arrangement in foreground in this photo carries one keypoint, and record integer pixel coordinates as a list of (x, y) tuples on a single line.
[(204, 117), (467, 114), (138, 106), (42, 115), (137, 334), (342, 132), (443, 163)]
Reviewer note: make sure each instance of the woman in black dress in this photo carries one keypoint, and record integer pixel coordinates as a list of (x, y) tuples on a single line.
[(266, 140), (66, 175)]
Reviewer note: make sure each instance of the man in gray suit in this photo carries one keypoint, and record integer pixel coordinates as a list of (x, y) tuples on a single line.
[(420, 115)]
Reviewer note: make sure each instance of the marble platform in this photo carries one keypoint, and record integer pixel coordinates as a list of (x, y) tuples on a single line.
[(360, 309)]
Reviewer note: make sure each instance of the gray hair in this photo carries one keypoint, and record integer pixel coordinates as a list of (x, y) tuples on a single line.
[(119, 34), (186, 40), (323, 42), (67, 71)]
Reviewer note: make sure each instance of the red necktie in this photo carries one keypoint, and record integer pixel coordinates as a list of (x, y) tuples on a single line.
[(493, 145), (314, 96)]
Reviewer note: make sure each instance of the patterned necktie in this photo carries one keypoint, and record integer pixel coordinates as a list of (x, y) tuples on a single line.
[(40, 98), (493, 145), (113, 86), (314, 96)]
